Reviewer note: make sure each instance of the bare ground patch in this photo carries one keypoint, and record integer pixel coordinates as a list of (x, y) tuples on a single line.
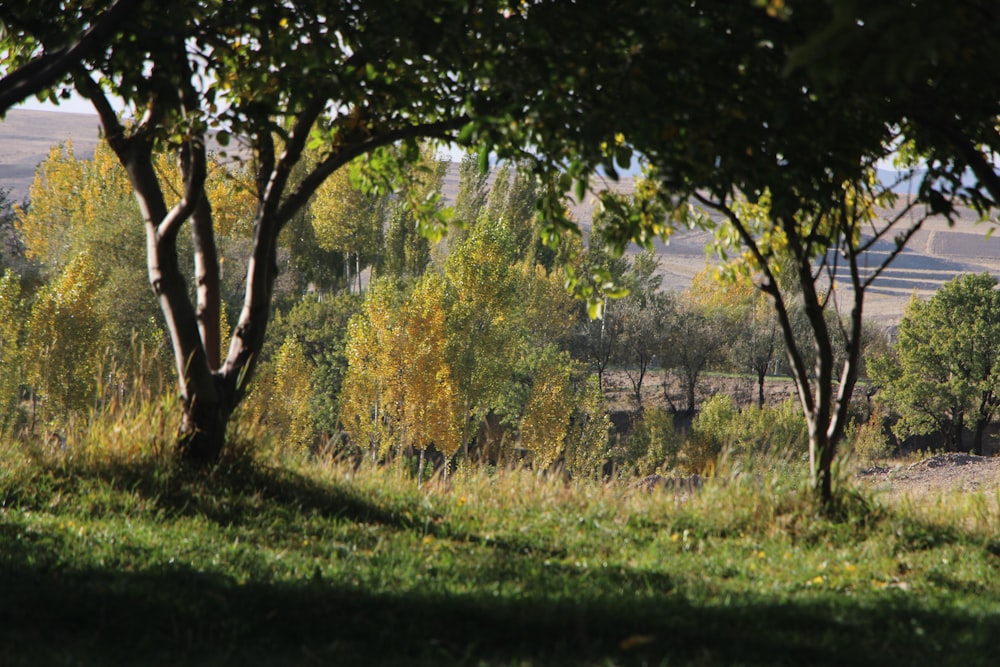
[(949, 472)]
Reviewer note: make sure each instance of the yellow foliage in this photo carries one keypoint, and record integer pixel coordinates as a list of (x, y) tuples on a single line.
[(69, 197), (710, 291), (64, 348), (587, 438), (546, 419), (54, 205), (234, 202), (370, 387), (292, 388), (343, 218), (430, 397), (280, 398), (11, 318), (73, 198), (398, 390)]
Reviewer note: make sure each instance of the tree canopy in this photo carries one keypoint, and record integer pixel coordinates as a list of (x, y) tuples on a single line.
[(943, 375)]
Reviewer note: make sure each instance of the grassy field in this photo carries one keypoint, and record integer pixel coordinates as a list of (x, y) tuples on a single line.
[(110, 555)]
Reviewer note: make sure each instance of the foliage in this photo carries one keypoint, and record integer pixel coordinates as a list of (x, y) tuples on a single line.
[(695, 341), (546, 419), (281, 399), (753, 335), (943, 373), (643, 317), (370, 390), (407, 247), (770, 433), (937, 96), (434, 362), (432, 409), (749, 438), (11, 325), (586, 443), (653, 446), (868, 440), (346, 220), (63, 350), (78, 204), (319, 325)]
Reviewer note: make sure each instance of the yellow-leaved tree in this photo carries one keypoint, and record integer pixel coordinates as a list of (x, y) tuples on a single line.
[(346, 220), (289, 399), (399, 391), (547, 414), (371, 389), (430, 399), (75, 204), (63, 348)]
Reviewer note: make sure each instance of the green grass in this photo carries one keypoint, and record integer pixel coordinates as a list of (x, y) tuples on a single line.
[(113, 559)]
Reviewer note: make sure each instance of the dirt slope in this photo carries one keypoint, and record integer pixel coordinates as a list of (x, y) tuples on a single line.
[(949, 472)]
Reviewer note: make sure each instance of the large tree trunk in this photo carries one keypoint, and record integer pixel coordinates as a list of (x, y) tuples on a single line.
[(203, 431)]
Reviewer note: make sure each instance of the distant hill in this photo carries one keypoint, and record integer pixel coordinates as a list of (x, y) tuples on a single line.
[(27, 136)]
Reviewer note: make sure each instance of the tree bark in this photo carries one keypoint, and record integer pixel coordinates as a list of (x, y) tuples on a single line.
[(760, 388), (978, 435)]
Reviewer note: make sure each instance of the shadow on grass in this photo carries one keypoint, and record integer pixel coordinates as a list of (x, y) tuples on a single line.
[(230, 494), (51, 615)]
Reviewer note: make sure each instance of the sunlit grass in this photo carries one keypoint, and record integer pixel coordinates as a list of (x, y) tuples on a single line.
[(278, 558)]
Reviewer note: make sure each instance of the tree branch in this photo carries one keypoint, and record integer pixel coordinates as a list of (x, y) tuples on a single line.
[(311, 183), (45, 70), (973, 157), (194, 170)]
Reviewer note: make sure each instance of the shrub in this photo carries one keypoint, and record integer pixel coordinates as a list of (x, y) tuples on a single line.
[(652, 446), (753, 435), (868, 440)]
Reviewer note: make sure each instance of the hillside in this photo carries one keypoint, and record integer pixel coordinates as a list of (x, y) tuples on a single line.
[(935, 255), (27, 136)]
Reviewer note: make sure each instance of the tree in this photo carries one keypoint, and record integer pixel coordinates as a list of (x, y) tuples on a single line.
[(281, 397), (85, 205), (407, 249), (693, 341), (597, 339), (399, 391), (718, 115), (944, 373), (547, 412), (484, 340), (347, 78), (346, 220), (752, 336), (644, 323), (645, 314), (816, 240), (318, 323)]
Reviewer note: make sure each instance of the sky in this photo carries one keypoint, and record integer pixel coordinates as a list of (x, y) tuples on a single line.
[(75, 104)]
